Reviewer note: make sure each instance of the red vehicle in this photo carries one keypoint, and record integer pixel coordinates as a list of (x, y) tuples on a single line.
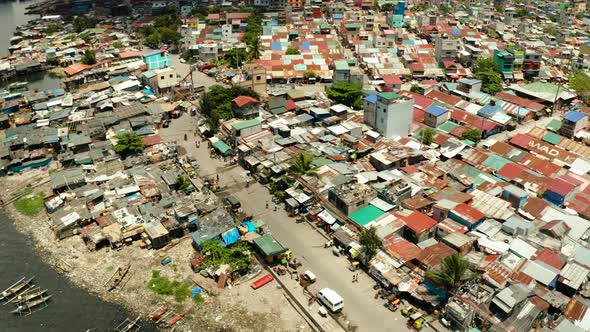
[(205, 67), (262, 281)]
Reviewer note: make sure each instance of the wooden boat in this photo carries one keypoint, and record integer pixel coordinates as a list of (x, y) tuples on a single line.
[(158, 313), (27, 295), (16, 288), (17, 86), (174, 320), (129, 325), (26, 308)]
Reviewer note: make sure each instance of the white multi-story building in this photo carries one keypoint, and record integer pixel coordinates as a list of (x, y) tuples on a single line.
[(391, 115)]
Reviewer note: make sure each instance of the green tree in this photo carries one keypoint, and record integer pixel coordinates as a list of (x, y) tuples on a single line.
[(427, 136), (89, 58), (487, 71), (301, 164), (255, 48), (349, 94), (370, 241), (236, 57), (471, 134), (237, 256), (292, 51), (82, 23), (53, 28), (153, 40), (416, 88), (128, 143), (215, 104), (183, 182), (580, 82), (168, 36), (117, 44), (387, 7), (309, 74), (522, 12), (452, 273)]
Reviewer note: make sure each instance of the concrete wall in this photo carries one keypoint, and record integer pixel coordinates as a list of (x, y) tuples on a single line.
[(395, 118)]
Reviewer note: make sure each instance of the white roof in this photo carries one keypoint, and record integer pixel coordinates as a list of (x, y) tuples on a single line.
[(580, 166), (338, 130), (339, 108), (498, 247), (327, 217), (540, 271), (522, 248), (381, 204)]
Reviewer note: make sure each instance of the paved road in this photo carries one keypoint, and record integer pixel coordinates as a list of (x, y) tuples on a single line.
[(360, 306)]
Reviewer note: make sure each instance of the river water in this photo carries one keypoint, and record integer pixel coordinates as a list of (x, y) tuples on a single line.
[(12, 14), (70, 308)]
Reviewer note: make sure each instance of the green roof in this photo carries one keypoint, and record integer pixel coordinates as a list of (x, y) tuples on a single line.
[(296, 94), (353, 26), (389, 95), (447, 127), (245, 124), (276, 103), (341, 65), (554, 125), (319, 162), (495, 162), (221, 147), (366, 215), (293, 32), (268, 246), (278, 110), (542, 87), (468, 142), (552, 138)]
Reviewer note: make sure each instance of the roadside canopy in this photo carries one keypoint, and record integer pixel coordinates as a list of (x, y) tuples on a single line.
[(222, 147), (268, 246)]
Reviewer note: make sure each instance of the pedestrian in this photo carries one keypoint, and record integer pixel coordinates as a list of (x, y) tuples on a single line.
[(267, 205), (353, 278), (217, 177), (185, 137), (275, 207)]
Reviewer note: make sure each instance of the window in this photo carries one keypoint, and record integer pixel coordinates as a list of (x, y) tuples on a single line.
[(161, 77), (258, 77), (171, 76)]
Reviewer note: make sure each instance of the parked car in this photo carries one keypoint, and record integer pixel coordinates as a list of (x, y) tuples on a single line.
[(233, 202), (309, 276)]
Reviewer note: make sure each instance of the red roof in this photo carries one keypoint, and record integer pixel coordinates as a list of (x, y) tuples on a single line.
[(242, 101), (291, 106), (550, 258), (151, 140), (535, 206), (405, 249), (561, 186), (450, 64), (129, 54), (522, 102), (443, 97), (392, 80), (76, 68), (416, 66), (419, 222), (521, 140), (511, 171), (468, 213), (433, 255)]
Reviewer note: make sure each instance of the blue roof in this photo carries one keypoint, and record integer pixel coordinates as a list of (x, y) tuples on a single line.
[(456, 32), (250, 226), (305, 45), (574, 116), (489, 110), (436, 110), (337, 16), (276, 46), (469, 81), (371, 98)]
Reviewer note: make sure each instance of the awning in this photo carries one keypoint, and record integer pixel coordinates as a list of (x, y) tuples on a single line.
[(327, 217), (222, 147)]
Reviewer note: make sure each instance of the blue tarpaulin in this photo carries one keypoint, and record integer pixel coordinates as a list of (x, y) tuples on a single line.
[(276, 46), (196, 291), (147, 92), (250, 225), (230, 237)]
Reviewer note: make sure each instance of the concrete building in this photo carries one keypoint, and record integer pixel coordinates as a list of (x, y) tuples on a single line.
[(343, 72), (351, 198), (166, 78), (505, 62), (255, 78), (393, 114), (436, 115), (446, 48), (157, 59), (572, 123), (245, 107), (531, 66)]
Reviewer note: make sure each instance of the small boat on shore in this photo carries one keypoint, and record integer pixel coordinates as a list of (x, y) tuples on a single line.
[(158, 313), (27, 307), (27, 295), (16, 288), (129, 325), (18, 86)]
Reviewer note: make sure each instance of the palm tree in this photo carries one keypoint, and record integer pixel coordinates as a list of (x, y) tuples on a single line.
[(453, 272), (301, 164), (255, 48)]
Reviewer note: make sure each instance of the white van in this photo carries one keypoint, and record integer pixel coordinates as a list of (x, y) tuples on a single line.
[(331, 299)]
